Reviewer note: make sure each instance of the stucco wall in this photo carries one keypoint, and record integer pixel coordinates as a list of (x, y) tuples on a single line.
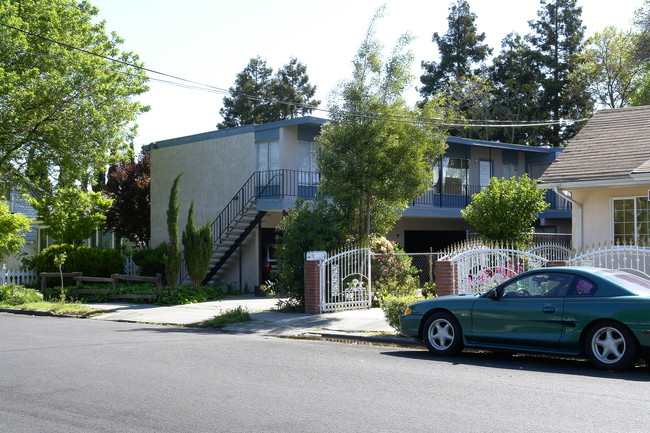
[(213, 171), (596, 218)]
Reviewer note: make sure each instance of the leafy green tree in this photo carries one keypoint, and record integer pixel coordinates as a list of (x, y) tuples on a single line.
[(12, 229), (462, 52), (70, 214), (129, 187), (610, 67), (505, 210), (197, 248), (174, 257), (68, 111), (557, 39), (260, 97), (515, 80), (642, 21), (310, 226), (372, 159)]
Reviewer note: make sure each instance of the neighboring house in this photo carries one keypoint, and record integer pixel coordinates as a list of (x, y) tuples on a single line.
[(18, 204), (37, 239), (605, 170), (246, 177)]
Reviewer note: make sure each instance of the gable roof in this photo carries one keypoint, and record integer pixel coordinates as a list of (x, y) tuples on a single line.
[(613, 147)]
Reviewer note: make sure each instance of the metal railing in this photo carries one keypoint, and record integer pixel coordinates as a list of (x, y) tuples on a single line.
[(459, 196)]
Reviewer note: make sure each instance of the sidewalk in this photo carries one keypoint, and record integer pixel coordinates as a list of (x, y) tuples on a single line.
[(367, 324)]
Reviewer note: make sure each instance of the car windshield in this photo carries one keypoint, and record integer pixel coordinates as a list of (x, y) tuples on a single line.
[(638, 285)]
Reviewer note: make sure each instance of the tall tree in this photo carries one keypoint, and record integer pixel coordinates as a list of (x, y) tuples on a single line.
[(174, 257), (129, 187), (557, 38), (516, 90), (65, 112), (610, 67), (372, 161), (642, 22), (260, 97), (462, 51)]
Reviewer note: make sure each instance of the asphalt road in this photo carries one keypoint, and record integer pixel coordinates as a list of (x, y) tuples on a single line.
[(73, 375)]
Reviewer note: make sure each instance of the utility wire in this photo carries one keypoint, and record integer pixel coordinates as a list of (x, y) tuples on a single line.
[(195, 85)]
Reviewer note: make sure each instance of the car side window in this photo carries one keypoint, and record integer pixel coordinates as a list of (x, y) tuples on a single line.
[(539, 285), (583, 287)]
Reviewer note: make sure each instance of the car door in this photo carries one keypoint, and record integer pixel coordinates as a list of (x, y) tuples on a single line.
[(523, 312)]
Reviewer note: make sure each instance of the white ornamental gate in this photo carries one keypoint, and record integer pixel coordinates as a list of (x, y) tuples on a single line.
[(480, 267), (345, 281)]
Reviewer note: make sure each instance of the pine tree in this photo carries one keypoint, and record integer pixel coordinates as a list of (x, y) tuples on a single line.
[(462, 51), (197, 247), (261, 97), (558, 37), (174, 257)]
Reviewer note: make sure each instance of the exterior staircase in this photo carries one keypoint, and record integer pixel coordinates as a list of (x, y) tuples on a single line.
[(231, 227)]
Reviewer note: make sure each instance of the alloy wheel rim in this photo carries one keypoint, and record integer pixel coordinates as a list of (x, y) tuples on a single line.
[(608, 345), (441, 334)]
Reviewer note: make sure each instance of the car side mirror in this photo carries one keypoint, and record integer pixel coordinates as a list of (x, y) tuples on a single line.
[(494, 294)]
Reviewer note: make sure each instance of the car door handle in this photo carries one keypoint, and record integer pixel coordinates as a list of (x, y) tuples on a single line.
[(549, 309)]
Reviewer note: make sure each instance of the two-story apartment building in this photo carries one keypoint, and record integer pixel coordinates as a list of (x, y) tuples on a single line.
[(243, 179)]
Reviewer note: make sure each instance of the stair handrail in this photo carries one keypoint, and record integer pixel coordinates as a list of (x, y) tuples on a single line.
[(244, 196)]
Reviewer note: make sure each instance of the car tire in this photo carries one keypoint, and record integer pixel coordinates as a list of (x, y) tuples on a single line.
[(442, 334), (610, 346)]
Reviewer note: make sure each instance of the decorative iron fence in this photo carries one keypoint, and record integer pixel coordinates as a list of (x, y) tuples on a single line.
[(636, 257)]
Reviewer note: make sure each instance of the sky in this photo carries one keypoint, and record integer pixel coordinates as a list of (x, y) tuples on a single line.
[(211, 41)]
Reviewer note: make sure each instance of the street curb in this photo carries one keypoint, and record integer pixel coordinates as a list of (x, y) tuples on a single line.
[(378, 339)]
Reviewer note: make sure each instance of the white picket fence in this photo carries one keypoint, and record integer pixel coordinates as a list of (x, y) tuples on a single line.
[(20, 277), (28, 277)]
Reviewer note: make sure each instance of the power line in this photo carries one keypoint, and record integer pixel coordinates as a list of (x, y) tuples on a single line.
[(195, 85)]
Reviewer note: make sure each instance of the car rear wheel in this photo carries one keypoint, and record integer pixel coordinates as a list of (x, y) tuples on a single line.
[(611, 346), (442, 334)]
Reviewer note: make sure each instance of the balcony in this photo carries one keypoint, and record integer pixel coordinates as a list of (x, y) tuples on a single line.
[(278, 189)]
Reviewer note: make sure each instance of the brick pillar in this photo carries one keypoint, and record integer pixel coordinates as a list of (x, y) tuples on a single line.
[(445, 284), (312, 286), (555, 263)]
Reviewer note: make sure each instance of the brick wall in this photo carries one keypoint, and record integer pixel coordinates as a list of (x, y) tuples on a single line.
[(445, 284), (312, 287)]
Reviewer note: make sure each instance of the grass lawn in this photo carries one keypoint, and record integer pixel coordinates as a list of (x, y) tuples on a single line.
[(58, 308)]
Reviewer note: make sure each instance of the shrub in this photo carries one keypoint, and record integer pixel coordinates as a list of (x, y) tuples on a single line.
[(90, 261), (310, 226), (13, 294), (394, 307), (151, 260), (392, 274)]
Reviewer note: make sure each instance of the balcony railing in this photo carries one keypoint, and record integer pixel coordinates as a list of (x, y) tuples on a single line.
[(275, 184)]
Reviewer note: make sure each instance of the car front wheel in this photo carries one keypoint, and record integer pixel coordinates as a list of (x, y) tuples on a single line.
[(442, 334), (610, 346)]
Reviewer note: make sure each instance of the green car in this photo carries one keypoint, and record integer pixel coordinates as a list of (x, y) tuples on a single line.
[(600, 313)]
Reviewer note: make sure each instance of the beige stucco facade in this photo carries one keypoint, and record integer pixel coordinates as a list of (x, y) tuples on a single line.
[(593, 215)]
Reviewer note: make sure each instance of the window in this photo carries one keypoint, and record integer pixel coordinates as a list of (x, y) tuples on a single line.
[(509, 170), (308, 169), (631, 220), (551, 285), (536, 170), (268, 164), (454, 175), (268, 155)]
